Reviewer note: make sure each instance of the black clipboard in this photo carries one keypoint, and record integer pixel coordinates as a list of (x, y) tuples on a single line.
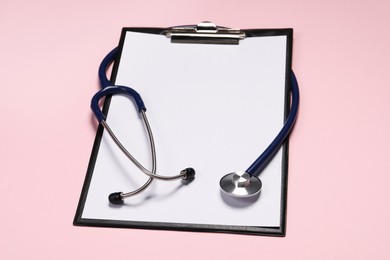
[(109, 218)]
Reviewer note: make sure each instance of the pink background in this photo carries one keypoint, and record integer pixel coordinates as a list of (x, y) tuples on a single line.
[(338, 201)]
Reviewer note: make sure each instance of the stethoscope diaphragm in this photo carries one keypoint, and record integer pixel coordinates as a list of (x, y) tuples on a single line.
[(240, 184)]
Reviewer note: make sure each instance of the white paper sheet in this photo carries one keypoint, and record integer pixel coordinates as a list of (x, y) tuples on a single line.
[(211, 107)]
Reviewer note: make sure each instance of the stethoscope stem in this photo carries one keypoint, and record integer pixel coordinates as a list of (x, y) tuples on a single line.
[(151, 174), (270, 151)]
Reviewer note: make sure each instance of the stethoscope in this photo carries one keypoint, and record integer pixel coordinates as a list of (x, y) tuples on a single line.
[(239, 184)]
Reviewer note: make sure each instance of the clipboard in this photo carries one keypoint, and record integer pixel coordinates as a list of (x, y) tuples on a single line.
[(215, 101)]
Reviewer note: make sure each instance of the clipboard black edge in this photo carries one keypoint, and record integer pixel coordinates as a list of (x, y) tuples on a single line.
[(231, 229), (163, 226)]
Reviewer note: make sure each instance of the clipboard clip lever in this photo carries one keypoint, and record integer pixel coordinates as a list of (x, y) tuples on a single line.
[(206, 33)]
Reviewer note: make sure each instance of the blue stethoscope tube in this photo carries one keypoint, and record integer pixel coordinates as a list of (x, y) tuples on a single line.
[(268, 153), (238, 184)]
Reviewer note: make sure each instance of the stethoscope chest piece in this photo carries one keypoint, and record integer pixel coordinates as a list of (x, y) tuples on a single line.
[(240, 185)]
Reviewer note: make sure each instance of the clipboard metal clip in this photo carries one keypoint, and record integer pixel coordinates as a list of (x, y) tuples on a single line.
[(206, 33)]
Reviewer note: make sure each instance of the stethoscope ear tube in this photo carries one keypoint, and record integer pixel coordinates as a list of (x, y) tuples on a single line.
[(117, 197), (115, 90)]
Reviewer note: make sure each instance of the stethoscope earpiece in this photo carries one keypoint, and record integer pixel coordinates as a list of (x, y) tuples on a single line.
[(188, 174), (116, 198), (240, 185)]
